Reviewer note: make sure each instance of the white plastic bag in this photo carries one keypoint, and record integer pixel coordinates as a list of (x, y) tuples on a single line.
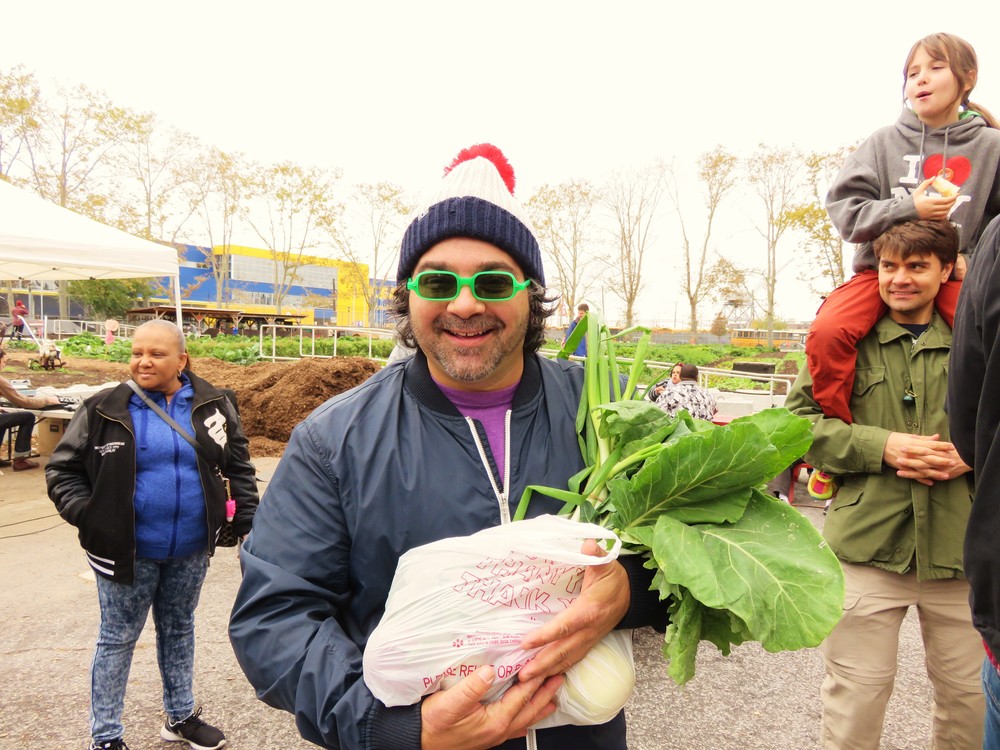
[(462, 602)]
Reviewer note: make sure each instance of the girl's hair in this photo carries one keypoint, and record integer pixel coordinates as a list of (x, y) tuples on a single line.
[(961, 58), (540, 307)]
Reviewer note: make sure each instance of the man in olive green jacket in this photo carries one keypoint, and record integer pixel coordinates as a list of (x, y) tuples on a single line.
[(898, 520)]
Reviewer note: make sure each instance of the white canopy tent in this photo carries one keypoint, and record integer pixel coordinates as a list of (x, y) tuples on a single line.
[(42, 241)]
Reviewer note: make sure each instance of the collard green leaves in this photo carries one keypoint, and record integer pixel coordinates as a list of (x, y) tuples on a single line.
[(771, 569), (735, 563), (732, 563)]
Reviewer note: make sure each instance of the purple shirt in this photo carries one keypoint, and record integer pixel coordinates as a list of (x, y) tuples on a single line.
[(490, 409)]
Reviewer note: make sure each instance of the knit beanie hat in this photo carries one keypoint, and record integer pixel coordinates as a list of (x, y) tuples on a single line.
[(475, 199)]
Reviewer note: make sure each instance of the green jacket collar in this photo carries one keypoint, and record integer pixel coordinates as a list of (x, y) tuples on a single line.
[(937, 335)]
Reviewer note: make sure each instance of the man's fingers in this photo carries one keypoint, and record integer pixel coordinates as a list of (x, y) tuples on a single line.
[(556, 628), (467, 694), (592, 548), (539, 704), (569, 620)]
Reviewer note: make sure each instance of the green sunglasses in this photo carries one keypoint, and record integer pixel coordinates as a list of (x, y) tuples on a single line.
[(486, 286)]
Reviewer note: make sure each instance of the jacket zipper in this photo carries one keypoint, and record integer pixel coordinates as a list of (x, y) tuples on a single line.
[(531, 741), (201, 479), (501, 493), (210, 537)]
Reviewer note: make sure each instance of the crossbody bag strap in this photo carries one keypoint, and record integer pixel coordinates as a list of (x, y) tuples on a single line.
[(199, 449), (170, 421)]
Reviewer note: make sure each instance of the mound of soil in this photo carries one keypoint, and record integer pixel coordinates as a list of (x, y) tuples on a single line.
[(273, 397)]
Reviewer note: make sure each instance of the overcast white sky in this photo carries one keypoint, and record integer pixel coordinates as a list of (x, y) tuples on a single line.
[(391, 90)]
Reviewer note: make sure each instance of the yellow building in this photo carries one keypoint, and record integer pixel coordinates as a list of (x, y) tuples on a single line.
[(325, 291)]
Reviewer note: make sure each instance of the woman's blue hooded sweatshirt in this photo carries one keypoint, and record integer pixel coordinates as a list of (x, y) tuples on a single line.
[(169, 500)]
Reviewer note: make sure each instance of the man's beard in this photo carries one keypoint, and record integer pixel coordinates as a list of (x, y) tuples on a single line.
[(475, 365)]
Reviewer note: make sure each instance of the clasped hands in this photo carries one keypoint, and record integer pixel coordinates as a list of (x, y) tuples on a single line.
[(455, 718), (923, 458)]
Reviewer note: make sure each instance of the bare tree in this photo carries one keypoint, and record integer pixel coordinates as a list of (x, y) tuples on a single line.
[(289, 205), (774, 174), (632, 198), (215, 184), (379, 208), (19, 102), (77, 133), (717, 173), (148, 174), (821, 245), (561, 215), (20, 99)]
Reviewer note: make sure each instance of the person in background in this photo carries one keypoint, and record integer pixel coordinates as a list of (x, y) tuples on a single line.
[(399, 351), (898, 520), (974, 418), (23, 421), (438, 444), (581, 349), (149, 510), (657, 390), (687, 394), (17, 318), (940, 160)]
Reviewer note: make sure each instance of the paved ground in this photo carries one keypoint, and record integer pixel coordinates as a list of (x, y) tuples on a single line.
[(48, 623)]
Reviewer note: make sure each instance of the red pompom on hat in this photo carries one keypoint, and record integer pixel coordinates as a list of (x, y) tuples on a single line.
[(491, 152), (475, 199)]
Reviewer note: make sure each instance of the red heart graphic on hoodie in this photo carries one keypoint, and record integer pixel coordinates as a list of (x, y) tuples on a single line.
[(959, 167)]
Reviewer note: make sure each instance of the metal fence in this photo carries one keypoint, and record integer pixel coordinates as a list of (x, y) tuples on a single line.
[(308, 335), (63, 328), (765, 396)]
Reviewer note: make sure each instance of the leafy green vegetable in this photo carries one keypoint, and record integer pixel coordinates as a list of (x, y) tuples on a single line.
[(734, 563)]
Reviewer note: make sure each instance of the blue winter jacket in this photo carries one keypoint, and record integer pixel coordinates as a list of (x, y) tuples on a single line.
[(581, 348), (372, 473)]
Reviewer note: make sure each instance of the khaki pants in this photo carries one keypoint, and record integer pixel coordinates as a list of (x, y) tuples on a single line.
[(860, 656)]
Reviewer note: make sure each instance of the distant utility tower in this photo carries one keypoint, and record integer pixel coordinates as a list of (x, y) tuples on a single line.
[(739, 311)]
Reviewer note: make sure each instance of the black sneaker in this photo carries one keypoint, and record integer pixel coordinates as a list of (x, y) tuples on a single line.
[(195, 732), (118, 744)]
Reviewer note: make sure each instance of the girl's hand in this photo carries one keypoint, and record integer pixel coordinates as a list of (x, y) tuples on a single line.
[(960, 266), (932, 207)]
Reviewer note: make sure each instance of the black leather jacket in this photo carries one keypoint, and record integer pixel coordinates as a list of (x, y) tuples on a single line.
[(91, 475)]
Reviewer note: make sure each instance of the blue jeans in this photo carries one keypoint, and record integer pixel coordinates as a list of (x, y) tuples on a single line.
[(991, 690), (172, 588)]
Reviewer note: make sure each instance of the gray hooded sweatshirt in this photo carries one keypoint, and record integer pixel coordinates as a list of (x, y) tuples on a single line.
[(873, 190)]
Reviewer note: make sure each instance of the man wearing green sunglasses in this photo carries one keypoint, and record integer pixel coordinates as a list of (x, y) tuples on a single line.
[(486, 286), (436, 445), (468, 314)]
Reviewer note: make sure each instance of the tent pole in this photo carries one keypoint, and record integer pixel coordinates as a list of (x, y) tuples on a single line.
[(177, 300)]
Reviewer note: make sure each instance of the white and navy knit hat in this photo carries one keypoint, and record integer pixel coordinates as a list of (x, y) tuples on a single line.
[(475, 199)]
